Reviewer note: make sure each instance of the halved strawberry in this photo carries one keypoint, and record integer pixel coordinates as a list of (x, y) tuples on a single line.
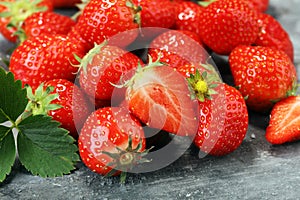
[(160, 97), (284, 125)]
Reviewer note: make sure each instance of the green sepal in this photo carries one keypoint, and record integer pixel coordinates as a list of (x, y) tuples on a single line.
[(88, 58), (40, 102), (7, 151), (13, 99), (205, 3), (19, 10), (44, 148)]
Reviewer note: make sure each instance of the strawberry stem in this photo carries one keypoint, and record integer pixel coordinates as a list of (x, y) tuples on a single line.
[(125, 160)]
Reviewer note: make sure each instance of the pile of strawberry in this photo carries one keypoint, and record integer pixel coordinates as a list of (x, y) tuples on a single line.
[(109, 91)]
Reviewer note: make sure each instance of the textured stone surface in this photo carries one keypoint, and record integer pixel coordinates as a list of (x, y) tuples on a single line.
[(257, 170)]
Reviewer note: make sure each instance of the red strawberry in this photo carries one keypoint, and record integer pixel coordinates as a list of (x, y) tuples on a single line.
[(177, 48), (188, 16), (272, 34), (223, 122), (102, 67), (264, 75), (75, 108), (13, 13), (74, 35), (226, 24), (47, 23), (101, 20), (284, 125), (156, 13), (65, 3), (258, 5), (223, 115), (160, 98), (111, 142), (44, 58)]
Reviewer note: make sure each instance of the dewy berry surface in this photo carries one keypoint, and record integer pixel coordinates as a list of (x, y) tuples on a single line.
[(256, 170)]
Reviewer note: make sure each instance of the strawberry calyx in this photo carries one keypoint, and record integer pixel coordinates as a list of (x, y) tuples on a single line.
[(202, 84), (126, 160), (18, 11), (206, 2), (139, 72), (40, 101), (136, 11), (80, 7), (293, 91), (88, 58)]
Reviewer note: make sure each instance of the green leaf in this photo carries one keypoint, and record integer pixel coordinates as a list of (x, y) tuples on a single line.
[(44, 148), (13, 99), (7, 151)]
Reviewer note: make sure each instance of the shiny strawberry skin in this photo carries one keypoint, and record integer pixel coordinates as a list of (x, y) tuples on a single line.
[(272, 34), (284, 124), (177, 48), (65, 3), (258, 5), (44, 58), (188, 16), (101, 20), (105, 69), (226, 24), (47, 23), (223, 122), (156, 13), (161, 99), (264, 75), (8, 33), (75, 107), (107, 129)]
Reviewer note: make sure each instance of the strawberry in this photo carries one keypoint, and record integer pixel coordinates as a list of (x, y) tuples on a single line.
[(111, 142), (13, 13), (223, 122), (177, 48), (101, 20), (160, 97), (226, 24), (65, 3), (284, 125), (264, 75), (102, 67), (156, 13), (258, 5), (47, 23), (272, 34), (222, 111), (188, 16), (46, 57), (74, 106)]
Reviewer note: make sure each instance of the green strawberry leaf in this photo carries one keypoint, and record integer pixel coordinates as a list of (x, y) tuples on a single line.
[(44, 148), (13, 99), (7, 151)]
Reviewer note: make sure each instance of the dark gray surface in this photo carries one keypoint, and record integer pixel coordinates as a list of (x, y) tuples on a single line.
[(257, 170)]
